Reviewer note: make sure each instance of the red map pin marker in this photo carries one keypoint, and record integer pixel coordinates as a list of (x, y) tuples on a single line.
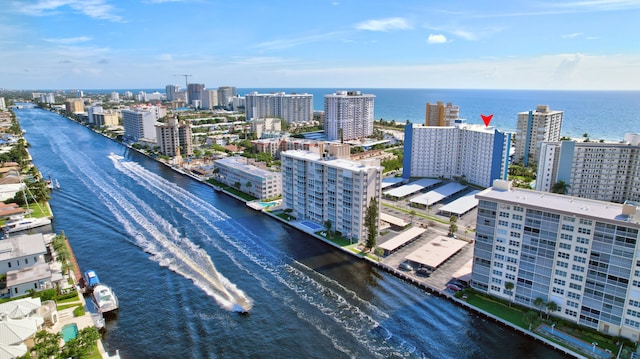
[(486, 119)]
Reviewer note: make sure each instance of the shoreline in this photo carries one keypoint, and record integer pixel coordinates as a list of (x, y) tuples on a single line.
[(401, 275)]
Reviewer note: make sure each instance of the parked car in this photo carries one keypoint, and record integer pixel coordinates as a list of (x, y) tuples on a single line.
[(454, 288), (425, 272), (405, 267)]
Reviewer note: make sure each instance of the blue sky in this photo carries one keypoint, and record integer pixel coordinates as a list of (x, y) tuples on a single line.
[(530, 44)]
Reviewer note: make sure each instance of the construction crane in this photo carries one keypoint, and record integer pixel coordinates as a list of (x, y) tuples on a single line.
[(186, 81)]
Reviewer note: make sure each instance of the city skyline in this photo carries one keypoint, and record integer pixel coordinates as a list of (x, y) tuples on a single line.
[(576, 45)]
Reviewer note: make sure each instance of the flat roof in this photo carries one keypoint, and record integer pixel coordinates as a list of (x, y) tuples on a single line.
[(464, 273), (333, 162), (393, 220), (557, 203), (390, 181), (432, 197), (402, 238), (413, 187), (434, 253), (463, 204), (37, 272), (235, 162), (22, 246)]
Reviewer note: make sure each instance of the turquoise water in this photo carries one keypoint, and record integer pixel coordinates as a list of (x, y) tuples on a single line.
[(587, 347), (69, 331), (267, 204)]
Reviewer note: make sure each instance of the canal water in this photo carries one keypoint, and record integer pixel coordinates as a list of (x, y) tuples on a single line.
[(181, 257)]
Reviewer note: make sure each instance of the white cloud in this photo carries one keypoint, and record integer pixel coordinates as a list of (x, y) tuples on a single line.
[(69, 40), (393, 23), (97, 9), (572, 35), (436, 39), (288, 43)]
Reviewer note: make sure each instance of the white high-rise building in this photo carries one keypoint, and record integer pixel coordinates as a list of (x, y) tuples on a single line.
[(209, 99), (226, 95), (115, 97), (475, 153), (139, 124), (535, 127), (318, 188), (91, 111), (3, 105), (348, 115), (170, 91), (580, 254), (603, 171), (292, 108)]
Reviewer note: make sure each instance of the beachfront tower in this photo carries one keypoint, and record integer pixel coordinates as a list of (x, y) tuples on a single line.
[(348, 115), (441, 114), (535, 127)]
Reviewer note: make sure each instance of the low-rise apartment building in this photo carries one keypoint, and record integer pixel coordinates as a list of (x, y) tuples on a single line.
[(237, 172)]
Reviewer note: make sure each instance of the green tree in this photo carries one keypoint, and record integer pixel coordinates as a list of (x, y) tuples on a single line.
[(551, 307), (453, 227), (560, 187), (530, 317), (47, 344), (509, 288), (540, 304), (371, 223), (237, 185), (328, 224)]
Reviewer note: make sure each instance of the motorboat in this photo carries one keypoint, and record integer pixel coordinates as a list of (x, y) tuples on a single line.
[(25, 223), (104, 299), (91, 280)]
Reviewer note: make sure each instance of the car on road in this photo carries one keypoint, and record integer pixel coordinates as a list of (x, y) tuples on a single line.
[(405, 267)]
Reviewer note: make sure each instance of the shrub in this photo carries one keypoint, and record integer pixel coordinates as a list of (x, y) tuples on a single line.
[(78, 312)]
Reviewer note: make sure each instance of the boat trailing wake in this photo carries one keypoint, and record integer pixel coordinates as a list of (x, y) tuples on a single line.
[(158, 237)]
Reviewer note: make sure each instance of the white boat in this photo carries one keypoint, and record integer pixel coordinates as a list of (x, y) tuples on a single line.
[(25, 224), (104, 299)]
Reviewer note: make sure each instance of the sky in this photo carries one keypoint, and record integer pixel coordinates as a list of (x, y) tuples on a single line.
[(465, 44)]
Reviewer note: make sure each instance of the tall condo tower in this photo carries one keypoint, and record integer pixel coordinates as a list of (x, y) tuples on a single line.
[(348, 115), (535, 127), (441, 114)]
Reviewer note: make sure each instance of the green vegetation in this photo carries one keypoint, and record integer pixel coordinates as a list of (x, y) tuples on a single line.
[(47, 345), (521, 176), (78, 312), (371, 223), (560, 187), (393, 164)]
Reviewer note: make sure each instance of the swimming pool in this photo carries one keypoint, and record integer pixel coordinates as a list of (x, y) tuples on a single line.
[(69, 331), (314, 226), (584, 346)]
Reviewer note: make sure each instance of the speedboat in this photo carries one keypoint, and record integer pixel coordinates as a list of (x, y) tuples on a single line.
[(104, 299), (90, 280)]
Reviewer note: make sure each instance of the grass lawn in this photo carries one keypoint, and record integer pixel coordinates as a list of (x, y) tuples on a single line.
[(39, 210), (67, 306), (68, 300), (512, 315)]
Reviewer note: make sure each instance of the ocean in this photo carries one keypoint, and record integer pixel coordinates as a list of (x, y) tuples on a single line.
[(606, 115)]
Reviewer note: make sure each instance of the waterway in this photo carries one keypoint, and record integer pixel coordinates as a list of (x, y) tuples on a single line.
[(180, 257)]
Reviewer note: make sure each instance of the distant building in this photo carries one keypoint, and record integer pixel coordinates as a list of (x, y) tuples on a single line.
[(475, 153), (3, 106), (194, 92), (580, 254), (139, 124), (91, 111), (115, 97), (292, 108), (262, 125), (226, 95), (348, 115), (441, 114), (107, 118), (174, 139), (600, 171), (170, 91), (319, 188), (209, 99), (535, 127), (238, 173), (74, 105)]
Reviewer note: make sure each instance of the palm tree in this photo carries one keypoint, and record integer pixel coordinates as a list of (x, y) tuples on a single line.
[(560, 187), (551, 307), (530, 317), (539, 303), (508, 286), (328, 224)]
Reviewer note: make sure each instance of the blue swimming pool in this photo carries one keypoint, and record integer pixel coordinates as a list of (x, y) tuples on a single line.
[(586, 347), (314, 226), (69, 331)]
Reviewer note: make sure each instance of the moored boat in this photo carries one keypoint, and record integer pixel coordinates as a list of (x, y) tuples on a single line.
[(25, 224), (104, 299)]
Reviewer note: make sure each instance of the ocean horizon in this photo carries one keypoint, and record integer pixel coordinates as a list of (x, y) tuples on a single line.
[(602, 115)]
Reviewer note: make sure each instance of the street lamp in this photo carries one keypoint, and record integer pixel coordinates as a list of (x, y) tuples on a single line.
[(594, 346), (552, 326)]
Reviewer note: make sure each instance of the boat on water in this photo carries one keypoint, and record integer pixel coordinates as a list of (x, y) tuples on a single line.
[(104, 299), (20, 224), (90, 280)]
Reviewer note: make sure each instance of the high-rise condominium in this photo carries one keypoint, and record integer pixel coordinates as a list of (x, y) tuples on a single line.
[(348, 115), (580, 254), (535, 127), (289, 107), (441, 114), (604, 171)]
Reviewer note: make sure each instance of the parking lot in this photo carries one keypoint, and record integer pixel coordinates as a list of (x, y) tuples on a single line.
[(442, 275)]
